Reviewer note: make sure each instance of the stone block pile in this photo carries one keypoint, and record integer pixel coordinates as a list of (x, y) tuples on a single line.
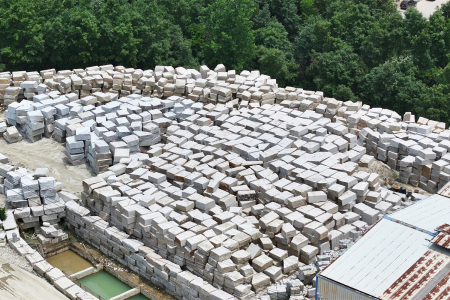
[(243, 199), (3, 125), (69, 100), (417, 150), (19, 85), (12, 135), (51, 234), (141, 259), (101, 84), (36, 198), (217, 184), (100, 135), (109, 239), (38, 215), (285, 289)]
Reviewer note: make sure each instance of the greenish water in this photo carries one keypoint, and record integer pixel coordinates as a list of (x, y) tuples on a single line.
[(138, 297), (104, 284)]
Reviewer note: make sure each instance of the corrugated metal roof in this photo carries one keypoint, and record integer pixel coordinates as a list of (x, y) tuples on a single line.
[(331, 290), (442, 239), (427, 214), (445, 191), (445, 228), (417, 276), (441, 290), (395, 259), (379, 258)]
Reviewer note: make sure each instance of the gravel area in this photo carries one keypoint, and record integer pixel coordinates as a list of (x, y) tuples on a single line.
[(7, 254), (18, 283), (2, 200)]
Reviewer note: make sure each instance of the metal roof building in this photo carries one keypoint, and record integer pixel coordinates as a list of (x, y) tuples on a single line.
[(403, 256)]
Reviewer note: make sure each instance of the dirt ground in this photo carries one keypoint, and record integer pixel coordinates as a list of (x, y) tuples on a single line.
[(381, 169), (2, 200), (387, 173), (47, 153)]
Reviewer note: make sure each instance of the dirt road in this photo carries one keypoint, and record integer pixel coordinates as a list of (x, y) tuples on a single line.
[(47, 153)]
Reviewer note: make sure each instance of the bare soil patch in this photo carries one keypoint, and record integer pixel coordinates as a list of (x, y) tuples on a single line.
[(47, 153)]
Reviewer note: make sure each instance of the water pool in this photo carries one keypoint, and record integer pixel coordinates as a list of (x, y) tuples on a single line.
[(69, 262), (104, 284), (138, 297)]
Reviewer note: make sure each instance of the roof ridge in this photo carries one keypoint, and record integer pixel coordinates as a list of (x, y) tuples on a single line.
[(410, 226)]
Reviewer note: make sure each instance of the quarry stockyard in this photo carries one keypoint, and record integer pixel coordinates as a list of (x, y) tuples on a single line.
[(121, 183)]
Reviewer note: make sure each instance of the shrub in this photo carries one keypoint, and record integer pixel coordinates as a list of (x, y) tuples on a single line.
[(2, 213)]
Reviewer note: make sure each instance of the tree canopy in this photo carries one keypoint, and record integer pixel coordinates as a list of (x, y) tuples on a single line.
[(350, 49)]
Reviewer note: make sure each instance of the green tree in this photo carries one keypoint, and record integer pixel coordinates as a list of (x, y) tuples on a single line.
[(357, 50), (273, 35), (435, 99), (414, 22), (344, 93), (314, 37), (445, 9), (383, 40), (337, 70), (197, 34), (438, 30), (285, 11), (433, 103), (229, 36), (262, 16), (161, 42), (117, 23), (81, 49), (308, 8), (275, 53), (393, 84), (22, 42), (183, 13), (274, 62)]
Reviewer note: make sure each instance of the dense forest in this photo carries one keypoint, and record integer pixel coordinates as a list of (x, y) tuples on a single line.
[(350, 49)]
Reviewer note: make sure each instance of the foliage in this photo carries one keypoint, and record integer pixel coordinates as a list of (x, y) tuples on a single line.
[(2, 214), (393, 84), (229, 37), (42, 34), (308, 8), (445, 8), (433, 103), (340, 67), (349, 49), (274, 61), (435, 100)]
